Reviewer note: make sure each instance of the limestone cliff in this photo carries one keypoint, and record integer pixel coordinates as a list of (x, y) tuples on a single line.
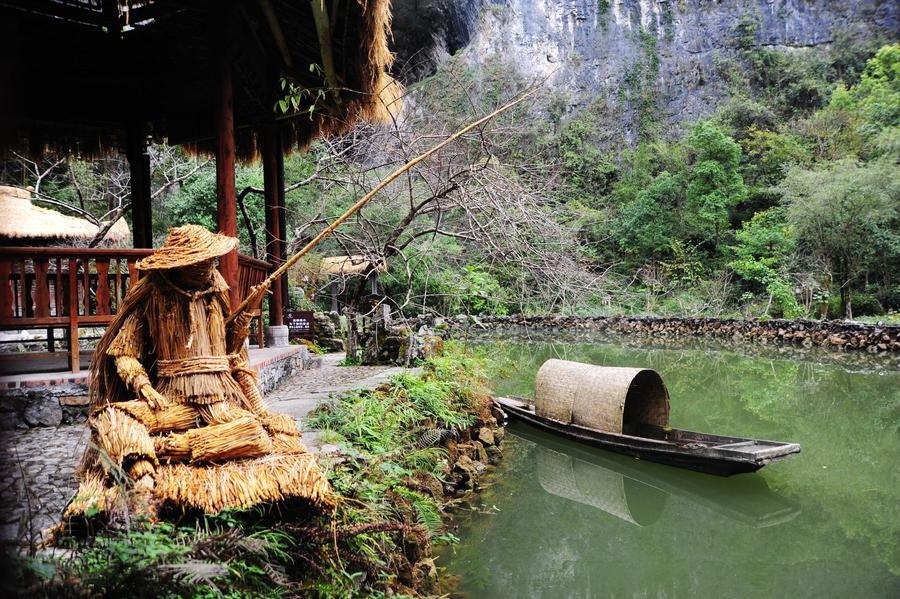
[(625, 50)]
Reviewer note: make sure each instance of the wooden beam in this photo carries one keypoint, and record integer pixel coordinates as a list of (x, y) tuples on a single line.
[(139, 162), (323, 30), (226, 197), (271, 147), (277, 34)]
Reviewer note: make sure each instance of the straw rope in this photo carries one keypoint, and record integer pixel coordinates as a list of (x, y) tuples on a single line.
[(124, 439), (177, 417), (241, 438), (190, 366)]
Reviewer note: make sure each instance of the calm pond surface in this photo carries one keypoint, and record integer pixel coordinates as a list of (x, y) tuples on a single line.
[(564, 520)]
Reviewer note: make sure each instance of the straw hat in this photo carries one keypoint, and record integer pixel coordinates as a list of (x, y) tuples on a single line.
[(187, 245)]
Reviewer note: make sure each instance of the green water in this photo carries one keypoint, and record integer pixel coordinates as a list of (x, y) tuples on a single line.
[(562, 520)]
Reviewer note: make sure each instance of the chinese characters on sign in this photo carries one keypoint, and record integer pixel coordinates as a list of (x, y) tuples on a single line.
[(299, 323)]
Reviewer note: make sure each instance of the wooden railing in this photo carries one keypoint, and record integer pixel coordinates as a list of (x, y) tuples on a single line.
[(69, 288)]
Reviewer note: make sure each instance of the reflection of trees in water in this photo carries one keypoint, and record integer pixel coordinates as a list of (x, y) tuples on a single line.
[(846, 422), (541, 544)]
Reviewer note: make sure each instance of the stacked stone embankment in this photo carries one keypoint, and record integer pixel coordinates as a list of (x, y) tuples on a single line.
[(832, 334)]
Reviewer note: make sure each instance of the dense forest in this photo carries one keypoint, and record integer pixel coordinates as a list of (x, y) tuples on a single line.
[(784, 202)]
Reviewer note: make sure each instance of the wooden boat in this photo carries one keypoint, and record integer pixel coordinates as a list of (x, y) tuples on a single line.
[(626, 410), (638, 492)]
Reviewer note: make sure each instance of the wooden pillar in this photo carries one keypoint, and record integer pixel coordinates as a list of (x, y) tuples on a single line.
[(226, 199), (271, 149), (282, 216), (139, 162)]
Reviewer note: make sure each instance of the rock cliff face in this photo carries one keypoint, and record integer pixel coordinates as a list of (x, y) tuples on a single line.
[(624, 51)]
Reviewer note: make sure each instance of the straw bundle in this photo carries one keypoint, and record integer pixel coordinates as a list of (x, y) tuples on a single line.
[(172, 448), (285, 443), (242, 438), (92, 493), (122, 438), (179, 417), (222, 412), (280, 423), (244, 483)]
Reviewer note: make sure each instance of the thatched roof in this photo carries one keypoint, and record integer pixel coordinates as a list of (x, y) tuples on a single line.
[(348, 265), (21, 222), (77, 76)]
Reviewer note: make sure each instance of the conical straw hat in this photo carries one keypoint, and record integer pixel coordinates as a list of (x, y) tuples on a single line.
[(187, 245)]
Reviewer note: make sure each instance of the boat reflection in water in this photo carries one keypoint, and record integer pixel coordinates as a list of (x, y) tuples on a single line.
[(638, 492)]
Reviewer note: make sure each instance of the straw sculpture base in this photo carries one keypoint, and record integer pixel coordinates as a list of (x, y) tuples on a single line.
[(235, 484)]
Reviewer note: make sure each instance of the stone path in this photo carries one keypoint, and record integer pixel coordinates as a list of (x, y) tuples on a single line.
[(37, 466), (304, 391)]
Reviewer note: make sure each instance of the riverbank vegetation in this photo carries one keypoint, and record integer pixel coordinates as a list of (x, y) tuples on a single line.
[(390, 459), (781, 203)]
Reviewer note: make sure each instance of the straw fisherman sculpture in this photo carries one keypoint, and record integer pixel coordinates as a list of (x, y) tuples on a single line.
[(174, 403)]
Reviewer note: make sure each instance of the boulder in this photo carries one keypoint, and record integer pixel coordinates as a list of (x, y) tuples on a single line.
[(43, 412), (486, 435)]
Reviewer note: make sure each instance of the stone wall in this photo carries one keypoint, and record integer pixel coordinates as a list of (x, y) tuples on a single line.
[(831, 334), (67, 403)]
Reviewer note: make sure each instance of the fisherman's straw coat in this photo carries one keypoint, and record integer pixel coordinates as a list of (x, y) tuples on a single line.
[(211, 444)]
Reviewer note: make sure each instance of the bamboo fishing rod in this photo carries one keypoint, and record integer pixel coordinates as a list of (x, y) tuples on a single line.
[(252, 297)]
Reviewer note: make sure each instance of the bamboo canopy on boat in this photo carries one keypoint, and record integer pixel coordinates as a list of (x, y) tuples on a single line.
[(604, 398)]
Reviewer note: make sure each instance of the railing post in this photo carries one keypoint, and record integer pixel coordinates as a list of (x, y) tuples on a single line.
[(74, 356), (6, 294)]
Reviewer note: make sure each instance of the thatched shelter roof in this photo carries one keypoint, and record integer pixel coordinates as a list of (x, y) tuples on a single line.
[(23, 223), (348, 265), (79, 75)]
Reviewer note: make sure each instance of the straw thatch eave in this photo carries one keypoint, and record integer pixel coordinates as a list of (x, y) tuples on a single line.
[(337, 266), (161, 73), (23, 223)]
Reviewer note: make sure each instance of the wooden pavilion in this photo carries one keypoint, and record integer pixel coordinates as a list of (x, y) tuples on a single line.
[(96, 76)]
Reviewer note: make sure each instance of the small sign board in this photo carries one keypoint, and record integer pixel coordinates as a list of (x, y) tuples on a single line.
[(300, 324)]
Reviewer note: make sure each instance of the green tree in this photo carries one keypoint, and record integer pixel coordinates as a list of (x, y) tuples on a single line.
[(647, 225), (763, 249), (847, 214), (715, 185)]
